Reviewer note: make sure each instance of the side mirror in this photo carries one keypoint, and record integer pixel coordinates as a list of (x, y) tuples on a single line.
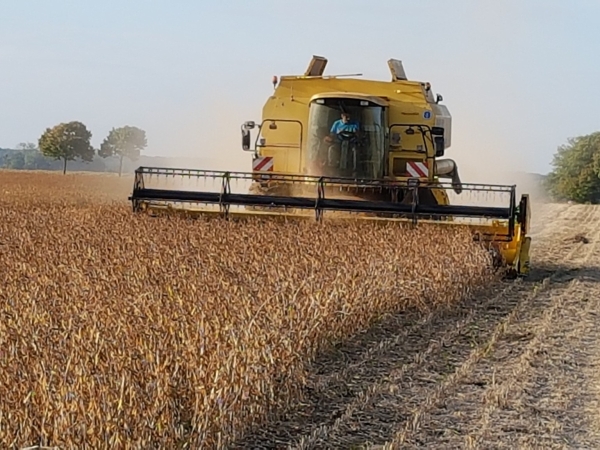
[(439, 98), (439, 144), (246, 127), (245, 139), (437, 131)]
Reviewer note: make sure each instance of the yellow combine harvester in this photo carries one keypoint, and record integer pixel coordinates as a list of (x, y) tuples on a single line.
[(353, 147)]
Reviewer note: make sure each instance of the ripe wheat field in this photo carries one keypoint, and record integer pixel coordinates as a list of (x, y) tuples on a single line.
[(128, 331)]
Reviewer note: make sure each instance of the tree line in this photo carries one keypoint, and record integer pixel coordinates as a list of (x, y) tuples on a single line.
[(576, 170), (71, 142)]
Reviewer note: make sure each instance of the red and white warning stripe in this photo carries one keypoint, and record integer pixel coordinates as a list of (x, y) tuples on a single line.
[(417, 169), (262, 164)]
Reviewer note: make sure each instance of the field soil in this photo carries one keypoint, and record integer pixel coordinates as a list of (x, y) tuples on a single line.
[(513, 367)]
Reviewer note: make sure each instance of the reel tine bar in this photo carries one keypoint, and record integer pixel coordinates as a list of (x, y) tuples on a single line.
[(319, 202)]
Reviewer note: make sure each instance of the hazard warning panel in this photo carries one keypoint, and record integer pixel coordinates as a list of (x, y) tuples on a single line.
[(417, 169), (263, 164)]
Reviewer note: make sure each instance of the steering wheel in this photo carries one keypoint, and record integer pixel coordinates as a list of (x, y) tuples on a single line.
[(347, 135)]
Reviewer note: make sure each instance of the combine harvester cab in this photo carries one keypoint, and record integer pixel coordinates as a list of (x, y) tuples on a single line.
[(348, 148)]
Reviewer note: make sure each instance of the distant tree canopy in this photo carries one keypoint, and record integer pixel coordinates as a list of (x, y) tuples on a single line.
[(123, 142), (70, 142), (576, 173), (16, 161), (27, 146), (66, 142)]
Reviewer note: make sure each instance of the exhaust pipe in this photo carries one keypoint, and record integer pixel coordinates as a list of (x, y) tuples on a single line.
[(447, 168)]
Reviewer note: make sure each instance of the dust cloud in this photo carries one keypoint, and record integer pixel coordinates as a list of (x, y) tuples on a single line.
[(217, 147), (205, 137), (493, 166), (493, 161)]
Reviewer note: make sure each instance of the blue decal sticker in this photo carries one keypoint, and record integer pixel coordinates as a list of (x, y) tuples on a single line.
[(427, 115)]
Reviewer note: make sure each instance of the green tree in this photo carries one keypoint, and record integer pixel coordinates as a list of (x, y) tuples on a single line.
[(67, 142), (123, 142), (576, 170)]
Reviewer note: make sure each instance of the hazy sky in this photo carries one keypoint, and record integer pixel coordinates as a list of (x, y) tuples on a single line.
[(519, 77)]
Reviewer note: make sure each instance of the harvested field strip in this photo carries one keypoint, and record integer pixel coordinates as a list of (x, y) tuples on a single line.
[(511, 363), (561, 392), (496, 394), (130, 331), (510, 374)]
